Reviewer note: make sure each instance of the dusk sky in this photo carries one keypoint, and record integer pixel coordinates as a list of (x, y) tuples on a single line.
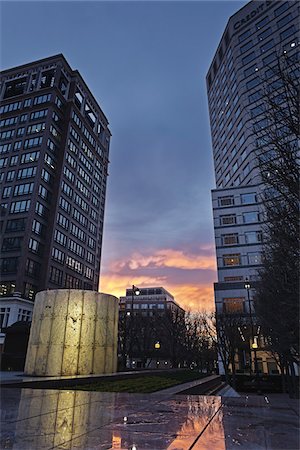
[(145, 63)]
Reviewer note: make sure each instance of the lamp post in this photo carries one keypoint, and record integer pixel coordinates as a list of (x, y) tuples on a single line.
[(254, 341), (135, 291)]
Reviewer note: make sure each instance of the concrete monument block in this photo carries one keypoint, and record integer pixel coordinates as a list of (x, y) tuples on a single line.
[(73, 332)]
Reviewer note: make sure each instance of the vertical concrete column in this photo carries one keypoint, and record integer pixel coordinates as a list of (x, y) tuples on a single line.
[(73, 332)]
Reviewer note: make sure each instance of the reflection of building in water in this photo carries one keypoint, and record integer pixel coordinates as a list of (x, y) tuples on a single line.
[(200, 410), (51, 418)]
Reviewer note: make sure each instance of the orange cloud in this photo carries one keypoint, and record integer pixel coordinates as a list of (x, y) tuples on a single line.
[(170, 258), (191, 297), (121, 274)]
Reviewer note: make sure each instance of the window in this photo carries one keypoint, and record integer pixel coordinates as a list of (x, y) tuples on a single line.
[(23, 189), (33, 142), (230, 239), (89, 273), (72, 282), (38, 114), (46, 176), (55, 133), (80, 218), (37, 227), (41, 210), (287, 33), (233, 305), (67, 189), (78, 232), (244, 35), (281, 9), (19, 207), (249, 198), (257, 110), (29, 172), (232, 259), (49, 161), (284, 21), (6, 192), (24, 315), (8, 134), (62, 221), (254, 258), (264, 48), (58, 255), (9, 121), (226, 201), (252, 83), (4, 312), (246, 46), (34, 246), (56, 275), (68, 174), (41, 99), (15, 225), (253, 237), (27, 102), (248, 58), (234, 278), (262, 22), (265, 34), (229, 219), (251, 217), (250, 71), (74, 264), (43, 192), (9, 265), (60, 238), (10, 107), (4, 148), (29, 157), (36, 128), (17, 145), (64, 204), (76, 248), (11, 244), (20, 131)]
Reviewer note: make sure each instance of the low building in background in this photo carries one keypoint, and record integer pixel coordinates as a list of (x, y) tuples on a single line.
[(151, 329)]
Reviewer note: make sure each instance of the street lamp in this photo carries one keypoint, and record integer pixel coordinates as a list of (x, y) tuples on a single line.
[(135, 291), (253, 338), (157, 345)]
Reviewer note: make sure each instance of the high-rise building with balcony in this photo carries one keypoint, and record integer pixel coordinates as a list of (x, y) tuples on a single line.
[(54, 147), (253, 40)]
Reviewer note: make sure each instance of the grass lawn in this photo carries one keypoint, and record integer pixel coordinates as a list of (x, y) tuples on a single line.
[(142, 384)]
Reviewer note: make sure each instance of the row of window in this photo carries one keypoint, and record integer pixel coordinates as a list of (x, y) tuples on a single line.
[(236, 259), (27, 103), (250, 237), (246, 218), (70, 282), (245, 199)]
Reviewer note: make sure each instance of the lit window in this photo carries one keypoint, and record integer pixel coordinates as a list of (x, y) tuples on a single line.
[(232, 259)]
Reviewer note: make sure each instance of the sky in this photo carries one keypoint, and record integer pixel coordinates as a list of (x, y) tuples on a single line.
[(145, 63)]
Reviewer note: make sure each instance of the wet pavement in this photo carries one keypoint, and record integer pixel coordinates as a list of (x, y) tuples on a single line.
[(39, 419)]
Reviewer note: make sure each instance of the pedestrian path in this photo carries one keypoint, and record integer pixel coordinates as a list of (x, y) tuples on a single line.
[(39, 419)]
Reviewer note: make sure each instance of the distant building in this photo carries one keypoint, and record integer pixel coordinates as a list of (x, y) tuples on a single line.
[(54, 147), (150, 320), (13, 309), (149, 301)]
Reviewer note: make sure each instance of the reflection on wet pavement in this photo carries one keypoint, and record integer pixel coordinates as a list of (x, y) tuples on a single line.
[(59, 419)]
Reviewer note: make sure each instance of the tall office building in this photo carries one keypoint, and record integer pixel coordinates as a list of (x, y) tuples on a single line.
[(54, 145), (250, 45)]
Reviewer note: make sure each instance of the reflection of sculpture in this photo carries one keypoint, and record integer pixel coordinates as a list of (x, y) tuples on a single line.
[(50, 418), (73, 332)]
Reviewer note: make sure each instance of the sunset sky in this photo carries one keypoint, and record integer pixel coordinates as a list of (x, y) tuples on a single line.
[(145, 63)]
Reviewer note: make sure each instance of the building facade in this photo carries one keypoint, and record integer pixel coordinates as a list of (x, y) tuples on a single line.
[(54, 150), (149, 301), (252, 41)]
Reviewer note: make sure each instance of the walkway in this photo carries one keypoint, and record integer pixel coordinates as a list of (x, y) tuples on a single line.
[(39, 419)]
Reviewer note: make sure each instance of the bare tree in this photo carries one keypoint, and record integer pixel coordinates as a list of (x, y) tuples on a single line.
[(277, 295)]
